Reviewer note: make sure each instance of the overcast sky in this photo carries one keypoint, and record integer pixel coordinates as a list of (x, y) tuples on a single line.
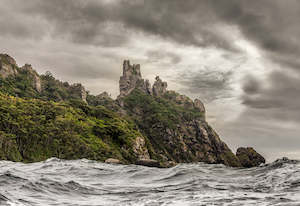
[(240, 57)]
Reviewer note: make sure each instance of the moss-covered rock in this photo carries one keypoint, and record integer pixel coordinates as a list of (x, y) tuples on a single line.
[(249, 157)]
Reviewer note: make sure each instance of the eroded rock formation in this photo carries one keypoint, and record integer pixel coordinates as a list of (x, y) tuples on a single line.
[(8, 66), (36, 83), (159, 87), (132, 79), (79, 90)]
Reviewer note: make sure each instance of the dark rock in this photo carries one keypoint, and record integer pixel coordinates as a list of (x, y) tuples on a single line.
[(148, 162), (249, 157)]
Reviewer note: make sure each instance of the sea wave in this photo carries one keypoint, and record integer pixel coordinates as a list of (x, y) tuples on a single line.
[(85, 182)]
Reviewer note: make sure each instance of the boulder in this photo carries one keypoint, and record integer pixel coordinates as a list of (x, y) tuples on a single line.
[(148, 162), (112, 161), (248, 157)]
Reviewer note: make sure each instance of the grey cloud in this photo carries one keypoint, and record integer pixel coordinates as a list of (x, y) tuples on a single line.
[(251, 85), (257, 128), (159, 55), (271, 24), (282, 92), (267, 23), (208, 83), (87, 21)]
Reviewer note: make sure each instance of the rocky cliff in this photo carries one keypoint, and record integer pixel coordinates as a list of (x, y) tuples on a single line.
[(174, 124), (42, 117)]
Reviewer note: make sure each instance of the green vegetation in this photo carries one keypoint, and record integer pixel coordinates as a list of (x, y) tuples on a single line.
[(160, 119), (42, 117), (56, 90), (34, 130), (158, 109), (20, 85), (23, 85)]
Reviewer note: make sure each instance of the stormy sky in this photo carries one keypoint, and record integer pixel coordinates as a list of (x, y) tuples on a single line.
[(240, 57)]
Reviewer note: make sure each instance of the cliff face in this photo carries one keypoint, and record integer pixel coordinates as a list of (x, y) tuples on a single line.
[(174, 124)]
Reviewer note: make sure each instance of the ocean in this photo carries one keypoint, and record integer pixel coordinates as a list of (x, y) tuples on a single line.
[(88, 183)]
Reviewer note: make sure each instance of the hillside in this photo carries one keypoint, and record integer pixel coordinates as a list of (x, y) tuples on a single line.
[(41, 117)]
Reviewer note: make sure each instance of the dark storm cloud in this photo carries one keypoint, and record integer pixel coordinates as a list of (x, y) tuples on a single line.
[(268, 23), (109, 24), (272, 24), (209, 84), (280, 97)]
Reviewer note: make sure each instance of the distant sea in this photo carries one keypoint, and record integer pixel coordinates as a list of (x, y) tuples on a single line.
[(88, 183)]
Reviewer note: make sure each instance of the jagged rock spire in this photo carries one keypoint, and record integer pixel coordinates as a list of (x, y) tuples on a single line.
[(132, 79), (159, 87)]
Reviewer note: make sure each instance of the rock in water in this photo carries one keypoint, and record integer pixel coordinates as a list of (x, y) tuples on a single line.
[(112, 161), (148, 162), (249, 157)]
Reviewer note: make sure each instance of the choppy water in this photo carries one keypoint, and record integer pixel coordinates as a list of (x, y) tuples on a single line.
[(86, 183)]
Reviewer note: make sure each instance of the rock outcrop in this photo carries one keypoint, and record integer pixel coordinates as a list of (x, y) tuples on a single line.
[(249, 157), (159, 87), (132, 79), (140, 148), (199, 105), (79, 90), (36, 83), (8, 66), (174, 124)]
